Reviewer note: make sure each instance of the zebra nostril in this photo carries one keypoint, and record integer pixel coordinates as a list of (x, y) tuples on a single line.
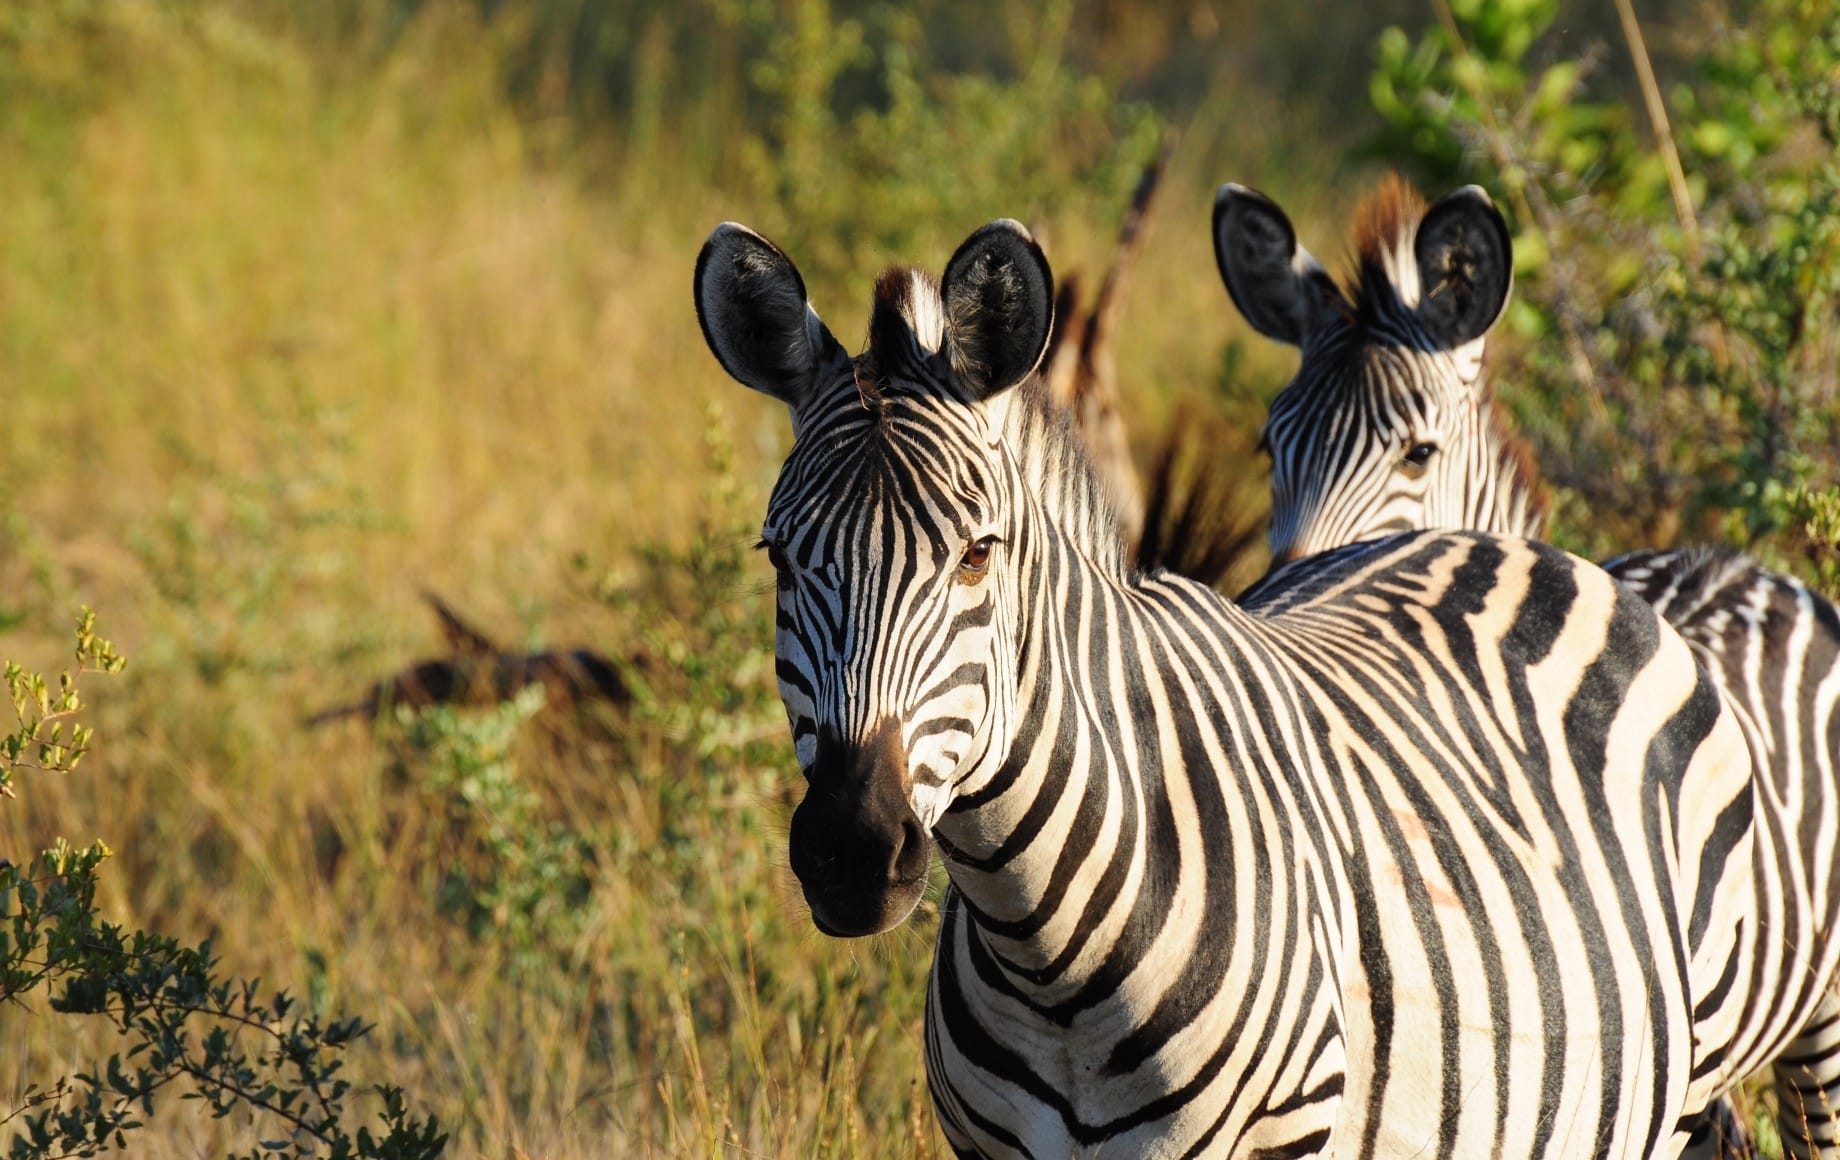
[(910, 851)]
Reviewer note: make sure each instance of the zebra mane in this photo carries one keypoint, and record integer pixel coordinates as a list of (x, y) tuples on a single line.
[(1518, 470), (907, 327), (1385, 228), (1055, 457)]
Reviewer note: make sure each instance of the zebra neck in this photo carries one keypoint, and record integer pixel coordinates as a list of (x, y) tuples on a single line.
[(1058, 473), (1081, 860), (1498, 478)]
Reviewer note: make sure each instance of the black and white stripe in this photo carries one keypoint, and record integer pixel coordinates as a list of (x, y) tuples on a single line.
[(1439, 847), (1382, 376)]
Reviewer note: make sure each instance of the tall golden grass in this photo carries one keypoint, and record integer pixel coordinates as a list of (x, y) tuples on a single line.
[(285, 340), (298, 319)]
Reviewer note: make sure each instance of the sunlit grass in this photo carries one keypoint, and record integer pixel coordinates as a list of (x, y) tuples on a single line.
[(284, 342), (279, 354)]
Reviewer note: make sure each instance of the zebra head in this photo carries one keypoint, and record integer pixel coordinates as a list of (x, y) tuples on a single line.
[(1388, 425), (893, 531)]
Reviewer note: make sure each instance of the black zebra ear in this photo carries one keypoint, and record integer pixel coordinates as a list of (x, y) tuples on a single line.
[(751, 303), (999, 301), (1282, 291), (1465, 266)]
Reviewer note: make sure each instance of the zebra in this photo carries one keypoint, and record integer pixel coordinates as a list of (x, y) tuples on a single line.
[(1390, 426), (1424, 445), (1333, 873)]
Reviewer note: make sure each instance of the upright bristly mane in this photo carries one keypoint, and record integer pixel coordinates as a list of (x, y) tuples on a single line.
[(906, 331), (1385, 226), (906, 327), (1058, 465), (1517, 468)]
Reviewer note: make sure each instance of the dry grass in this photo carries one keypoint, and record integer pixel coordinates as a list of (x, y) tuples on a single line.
[(282, 344)]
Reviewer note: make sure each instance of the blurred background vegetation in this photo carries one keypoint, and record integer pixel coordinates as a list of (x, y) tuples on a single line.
[(310, 306)]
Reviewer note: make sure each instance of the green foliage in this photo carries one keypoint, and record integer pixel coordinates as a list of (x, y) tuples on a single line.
[(214, 1037), (700, 612), (56, 904), (1469, 100), (939, 151), (186, 1025), (1679, 338), (39, 741), (701, 608), (1816, 516), (505, 870)]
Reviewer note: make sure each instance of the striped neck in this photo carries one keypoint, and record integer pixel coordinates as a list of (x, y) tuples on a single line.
[(1071, 844), (1059, 474)]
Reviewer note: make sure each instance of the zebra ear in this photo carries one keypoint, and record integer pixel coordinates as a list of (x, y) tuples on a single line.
[(751, 303), (1282, 291), (1465, 266), (999, 301)]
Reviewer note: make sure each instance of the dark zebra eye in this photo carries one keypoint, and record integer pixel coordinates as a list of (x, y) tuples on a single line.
[(777, 558), (976, 560), (1420, 454)]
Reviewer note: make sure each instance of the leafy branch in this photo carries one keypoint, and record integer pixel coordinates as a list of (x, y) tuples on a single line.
[(184, 1021), (39, 742), (1676, 300)]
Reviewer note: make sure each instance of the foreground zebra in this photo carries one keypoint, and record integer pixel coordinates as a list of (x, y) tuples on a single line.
[(1390, 426), (1334, 874)]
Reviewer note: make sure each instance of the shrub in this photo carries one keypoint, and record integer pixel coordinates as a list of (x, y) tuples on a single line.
[(1678, 357), (187, 1024)]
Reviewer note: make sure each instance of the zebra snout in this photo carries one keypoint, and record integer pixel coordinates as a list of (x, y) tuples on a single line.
[(858, 849)]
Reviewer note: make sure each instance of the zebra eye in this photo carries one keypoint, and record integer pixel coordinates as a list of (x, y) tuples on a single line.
[(781, 567), (1420, 455), (976, 559)]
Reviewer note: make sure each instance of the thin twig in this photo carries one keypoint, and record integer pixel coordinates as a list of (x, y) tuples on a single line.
[(1658, 118)]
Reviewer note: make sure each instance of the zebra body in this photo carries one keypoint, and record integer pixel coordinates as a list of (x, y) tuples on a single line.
[(1773, 646), (1442, 847), (1389, 426)]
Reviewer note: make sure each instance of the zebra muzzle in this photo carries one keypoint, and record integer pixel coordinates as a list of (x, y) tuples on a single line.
[(858, 849)]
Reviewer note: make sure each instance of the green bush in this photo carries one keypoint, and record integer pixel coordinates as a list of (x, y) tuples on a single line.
[(213, 1037), (939, 151), (1675, 346), (504, 869)]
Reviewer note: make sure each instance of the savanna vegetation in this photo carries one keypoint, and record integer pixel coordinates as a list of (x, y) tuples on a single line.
[(307, 308)]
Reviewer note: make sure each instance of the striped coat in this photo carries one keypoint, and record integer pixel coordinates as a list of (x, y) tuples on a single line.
[(1390, 426), (1442, 846)]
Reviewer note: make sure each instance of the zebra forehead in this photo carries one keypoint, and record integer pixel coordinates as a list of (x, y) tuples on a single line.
[(898, 451), (1378, 380)]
